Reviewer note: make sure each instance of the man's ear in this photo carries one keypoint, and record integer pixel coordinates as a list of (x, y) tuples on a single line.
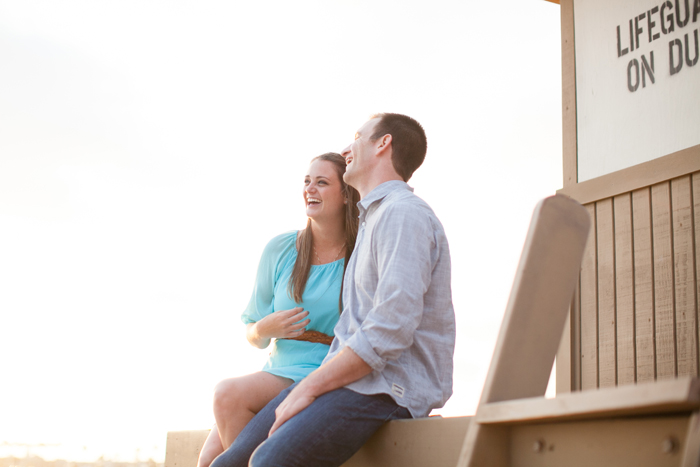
[(384, 142)]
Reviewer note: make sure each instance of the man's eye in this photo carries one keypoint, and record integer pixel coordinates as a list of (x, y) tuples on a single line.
[(307, 181), (357, 136)]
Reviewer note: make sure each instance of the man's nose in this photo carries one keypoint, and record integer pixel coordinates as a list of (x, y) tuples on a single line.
[(346, 152)]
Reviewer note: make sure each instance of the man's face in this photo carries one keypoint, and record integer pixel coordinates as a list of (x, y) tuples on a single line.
[(358, 155)]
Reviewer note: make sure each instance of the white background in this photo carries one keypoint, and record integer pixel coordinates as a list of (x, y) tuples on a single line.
[(150, 149)]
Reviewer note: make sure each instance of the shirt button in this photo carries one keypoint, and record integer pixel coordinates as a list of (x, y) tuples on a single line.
[(364, 224)]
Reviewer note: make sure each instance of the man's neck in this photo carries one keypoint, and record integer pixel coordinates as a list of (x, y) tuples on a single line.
[(375, 182)]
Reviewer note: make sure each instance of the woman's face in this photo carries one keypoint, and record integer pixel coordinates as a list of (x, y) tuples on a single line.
[(323, 194)]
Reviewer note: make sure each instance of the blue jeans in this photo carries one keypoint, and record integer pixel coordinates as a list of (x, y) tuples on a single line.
[(326, 433)]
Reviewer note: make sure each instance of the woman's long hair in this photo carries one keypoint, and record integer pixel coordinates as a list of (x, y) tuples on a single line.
[(305, 243)]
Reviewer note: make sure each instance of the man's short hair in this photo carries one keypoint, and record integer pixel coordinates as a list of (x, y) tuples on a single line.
[(408, 142)]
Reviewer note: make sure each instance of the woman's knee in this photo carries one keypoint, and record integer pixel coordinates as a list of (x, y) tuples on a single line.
[(228, 396)]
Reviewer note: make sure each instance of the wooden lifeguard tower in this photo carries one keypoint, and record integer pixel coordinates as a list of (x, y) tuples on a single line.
[(631, 133), (622, 314)]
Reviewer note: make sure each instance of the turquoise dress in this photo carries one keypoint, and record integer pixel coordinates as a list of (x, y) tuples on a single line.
[(290, 358)]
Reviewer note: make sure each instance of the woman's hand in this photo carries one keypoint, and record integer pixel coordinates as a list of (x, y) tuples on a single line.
[(279, 325), (282, 324)]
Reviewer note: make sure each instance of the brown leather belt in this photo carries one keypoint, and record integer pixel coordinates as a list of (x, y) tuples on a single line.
[(314, 336)]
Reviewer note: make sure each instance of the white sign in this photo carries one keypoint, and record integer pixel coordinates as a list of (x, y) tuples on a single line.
[(637, 81)]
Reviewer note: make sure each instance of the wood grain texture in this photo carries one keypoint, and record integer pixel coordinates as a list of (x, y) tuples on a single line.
[(534, 319), (624, 290), (639, 176), (568, 364), (433, 441), (182, 447), (684, 276), (568, 98), (607, 321), (663, 281), (539, 301), (576, 340), (621, 442), (695, 179), (589, 308), (562, 364), (656, 397), (691, 449), (644, 286)]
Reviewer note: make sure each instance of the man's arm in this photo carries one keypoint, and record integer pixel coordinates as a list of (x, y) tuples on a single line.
[(342, 369), (404, 243)]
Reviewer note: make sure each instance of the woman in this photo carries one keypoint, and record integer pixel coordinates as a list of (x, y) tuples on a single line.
[(296, 302)]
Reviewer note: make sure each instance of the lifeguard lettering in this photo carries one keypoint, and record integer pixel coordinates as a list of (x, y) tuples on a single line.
[(650, 25)]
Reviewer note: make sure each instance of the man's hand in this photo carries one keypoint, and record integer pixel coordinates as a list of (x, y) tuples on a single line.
[(295, 402), (342, 369)]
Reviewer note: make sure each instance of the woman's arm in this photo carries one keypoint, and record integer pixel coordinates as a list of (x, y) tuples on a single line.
[(279, 325)]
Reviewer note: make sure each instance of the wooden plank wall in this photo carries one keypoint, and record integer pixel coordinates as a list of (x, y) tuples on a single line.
[(638, 302)]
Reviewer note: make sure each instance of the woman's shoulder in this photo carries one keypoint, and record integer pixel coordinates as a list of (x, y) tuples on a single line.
[(281, 244), (284, 239)]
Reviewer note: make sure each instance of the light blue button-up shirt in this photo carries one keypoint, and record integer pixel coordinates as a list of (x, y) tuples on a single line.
[(397, 296)]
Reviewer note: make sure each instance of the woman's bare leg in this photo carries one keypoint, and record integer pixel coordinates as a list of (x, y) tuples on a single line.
[(211, 449), (237, 400)]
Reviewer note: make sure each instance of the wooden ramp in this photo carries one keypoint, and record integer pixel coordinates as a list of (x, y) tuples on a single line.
[(651, 424)]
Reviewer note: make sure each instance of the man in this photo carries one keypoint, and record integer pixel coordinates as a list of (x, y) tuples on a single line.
[(394, 344)]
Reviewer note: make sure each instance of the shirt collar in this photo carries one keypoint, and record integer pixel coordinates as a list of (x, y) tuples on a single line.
[(380, 192)]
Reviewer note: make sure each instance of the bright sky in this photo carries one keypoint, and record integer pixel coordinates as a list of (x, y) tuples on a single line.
[(149, 150)]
